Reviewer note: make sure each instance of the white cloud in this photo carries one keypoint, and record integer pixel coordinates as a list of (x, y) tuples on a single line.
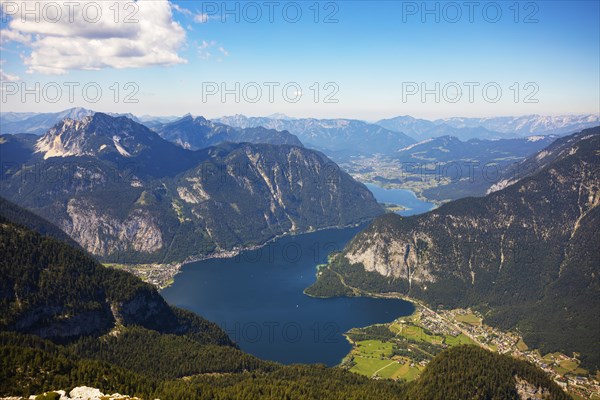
[(7, 35), (204, 49), (201, 18), (181, 10), (142, 34), (4, 77)]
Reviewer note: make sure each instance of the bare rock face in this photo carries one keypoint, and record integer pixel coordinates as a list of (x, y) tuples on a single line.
[(92, 135), (102, 234), (88, 393), (393, 257)]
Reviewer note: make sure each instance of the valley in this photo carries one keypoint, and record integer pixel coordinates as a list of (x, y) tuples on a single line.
[(171, 229), (401, 349), (126, 356), (446, 168), (322, 200)]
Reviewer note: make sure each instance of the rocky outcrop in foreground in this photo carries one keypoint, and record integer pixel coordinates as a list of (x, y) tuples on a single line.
[(79, 393)]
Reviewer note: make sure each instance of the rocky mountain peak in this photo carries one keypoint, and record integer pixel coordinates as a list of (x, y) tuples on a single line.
[(94, 135)]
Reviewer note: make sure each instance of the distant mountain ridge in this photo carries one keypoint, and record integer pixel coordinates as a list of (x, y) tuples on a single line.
[(490, 128), (38, 123), (466, 168), (197, 132), (338, 138), (451, 148), (529, 124)]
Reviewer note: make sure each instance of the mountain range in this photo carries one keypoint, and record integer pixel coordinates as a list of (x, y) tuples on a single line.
[(525, 255), (127, 195), (197, 132), (338, 138), (453, 149), (490, 128), (119, 191)]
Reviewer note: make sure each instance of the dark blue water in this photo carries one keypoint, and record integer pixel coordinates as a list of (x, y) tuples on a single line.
[(257, 297), (401, 197)]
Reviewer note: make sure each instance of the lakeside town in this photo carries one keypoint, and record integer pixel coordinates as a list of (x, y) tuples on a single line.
[(416, 339), (564, 370)]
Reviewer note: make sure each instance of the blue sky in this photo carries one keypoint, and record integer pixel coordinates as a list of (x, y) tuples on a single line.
[(373, 58)]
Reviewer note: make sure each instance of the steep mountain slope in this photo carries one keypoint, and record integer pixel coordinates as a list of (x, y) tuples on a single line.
[(19, 216), (197, 133), (113, 332), (55, 291), (127, 195), (526, 254), (338, 138), (15, 150), (472, 373), (558, 149)]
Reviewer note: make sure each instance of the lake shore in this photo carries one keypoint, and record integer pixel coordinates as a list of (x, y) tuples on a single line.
[(162, 275)]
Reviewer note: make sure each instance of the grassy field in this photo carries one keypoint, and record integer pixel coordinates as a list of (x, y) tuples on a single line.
[(372, 358), (116, 266), (522, 346), (457, 340), (564, 367), (414, 332), (470, 319), (374, 348), (570, 367), (368, 366), (407, 372), (417, 333)]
